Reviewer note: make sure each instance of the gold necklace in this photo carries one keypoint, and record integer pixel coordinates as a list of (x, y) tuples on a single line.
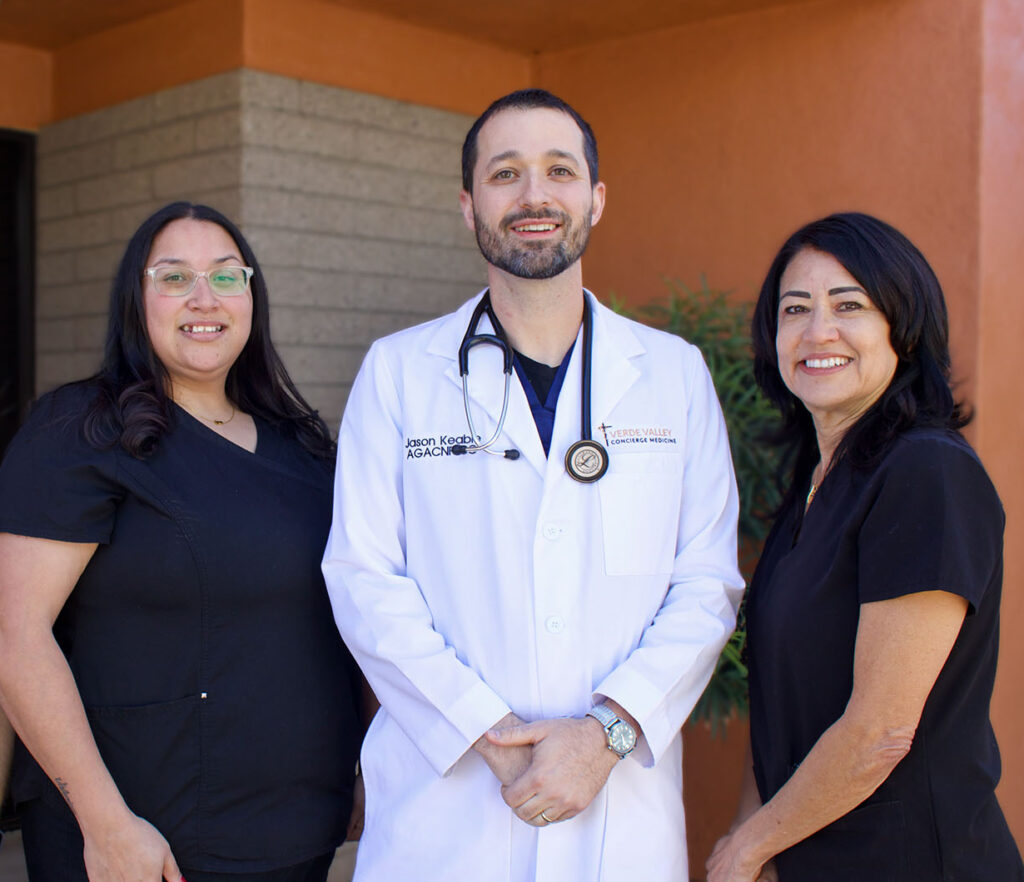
[(810, 495), (219, 422), (815, 485)]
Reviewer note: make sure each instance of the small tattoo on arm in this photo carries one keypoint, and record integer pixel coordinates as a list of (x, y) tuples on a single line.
[(62, 786)]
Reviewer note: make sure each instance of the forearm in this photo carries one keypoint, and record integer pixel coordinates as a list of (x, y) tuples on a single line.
[(750, 798), (661, 680), (846, 765), (39, 696)]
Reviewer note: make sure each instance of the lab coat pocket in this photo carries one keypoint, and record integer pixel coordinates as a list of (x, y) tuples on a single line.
[(640, 502)]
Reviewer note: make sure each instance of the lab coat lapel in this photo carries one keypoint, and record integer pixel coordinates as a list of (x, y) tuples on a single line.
[(487, 387), (566, 430), (613, 371)]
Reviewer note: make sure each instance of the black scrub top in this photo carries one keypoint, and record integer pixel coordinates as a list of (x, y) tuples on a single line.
[(926, 518), (200, 634)]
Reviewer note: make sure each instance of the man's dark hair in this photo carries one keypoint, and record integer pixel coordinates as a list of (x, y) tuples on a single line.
[(526, 99), (899, 281), (132, 406)]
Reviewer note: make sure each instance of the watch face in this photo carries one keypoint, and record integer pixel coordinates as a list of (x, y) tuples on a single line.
[(621, 738)]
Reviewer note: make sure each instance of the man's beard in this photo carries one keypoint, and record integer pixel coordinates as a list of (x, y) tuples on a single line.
[(533, 260)]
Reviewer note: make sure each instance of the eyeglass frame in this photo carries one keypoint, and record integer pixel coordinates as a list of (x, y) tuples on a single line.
[(248, 271)]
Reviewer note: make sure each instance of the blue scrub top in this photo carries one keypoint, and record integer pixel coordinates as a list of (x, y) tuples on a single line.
[(543, 413)]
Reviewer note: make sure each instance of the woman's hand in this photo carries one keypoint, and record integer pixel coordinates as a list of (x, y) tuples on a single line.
[(132, 851), (731, 862)]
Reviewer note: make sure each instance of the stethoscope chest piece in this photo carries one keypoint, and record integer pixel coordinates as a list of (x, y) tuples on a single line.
[(586, 461)]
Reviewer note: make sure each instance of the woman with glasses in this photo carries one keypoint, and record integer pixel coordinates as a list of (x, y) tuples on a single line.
[(167, 649)]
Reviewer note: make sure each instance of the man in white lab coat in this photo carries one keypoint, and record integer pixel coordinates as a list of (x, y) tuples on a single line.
[(537, 626)]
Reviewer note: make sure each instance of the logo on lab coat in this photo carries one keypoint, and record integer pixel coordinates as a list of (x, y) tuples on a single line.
[(617, 435), (434, 445)]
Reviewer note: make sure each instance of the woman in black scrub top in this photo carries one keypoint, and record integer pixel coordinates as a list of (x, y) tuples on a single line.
[(873, 614), (167, 649)]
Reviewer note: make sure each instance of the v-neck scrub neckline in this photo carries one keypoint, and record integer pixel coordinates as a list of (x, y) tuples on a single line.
[(190, 422)]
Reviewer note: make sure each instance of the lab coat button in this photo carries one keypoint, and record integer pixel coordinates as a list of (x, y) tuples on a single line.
[(552, 532), (555, 624)]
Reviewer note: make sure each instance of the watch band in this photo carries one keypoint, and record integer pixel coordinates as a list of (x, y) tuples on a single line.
[(603, 714), (620, 735)]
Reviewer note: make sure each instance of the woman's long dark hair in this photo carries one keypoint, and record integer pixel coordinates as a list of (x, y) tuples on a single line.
[(899, 281), (133, 407)]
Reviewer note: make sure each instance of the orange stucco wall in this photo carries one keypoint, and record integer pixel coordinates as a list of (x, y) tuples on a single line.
[(167, 49), (1000, 422), (26, 87), (720, 138), (305, 39), (325, 43)]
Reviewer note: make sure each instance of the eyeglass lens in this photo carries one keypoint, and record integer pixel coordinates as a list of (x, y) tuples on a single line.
[(176, 281)]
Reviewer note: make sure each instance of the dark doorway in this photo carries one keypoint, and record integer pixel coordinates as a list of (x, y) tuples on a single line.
[(17, 282)]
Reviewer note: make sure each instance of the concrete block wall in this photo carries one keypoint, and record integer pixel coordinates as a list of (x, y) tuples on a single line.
[(350, 202), (98, 176)]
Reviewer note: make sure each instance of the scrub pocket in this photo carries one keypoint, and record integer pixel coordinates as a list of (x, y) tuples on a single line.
[(641, 497), (868, 843), (152, 753)]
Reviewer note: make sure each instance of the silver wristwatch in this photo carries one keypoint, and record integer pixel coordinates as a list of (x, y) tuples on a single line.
[(621, 736)]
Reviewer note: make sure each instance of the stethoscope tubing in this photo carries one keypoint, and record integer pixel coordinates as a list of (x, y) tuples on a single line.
[(586, 460), (588, 339), (476, 448), (469, 340)]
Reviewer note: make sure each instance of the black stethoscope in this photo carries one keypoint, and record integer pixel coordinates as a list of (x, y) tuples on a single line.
[(586, 460)]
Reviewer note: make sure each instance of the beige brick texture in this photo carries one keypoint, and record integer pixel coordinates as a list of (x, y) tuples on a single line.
[(349, 200)]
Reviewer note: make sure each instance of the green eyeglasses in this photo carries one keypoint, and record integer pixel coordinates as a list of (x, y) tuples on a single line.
[(178, 281)]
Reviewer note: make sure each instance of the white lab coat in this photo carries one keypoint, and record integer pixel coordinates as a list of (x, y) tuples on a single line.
[(468, 586)]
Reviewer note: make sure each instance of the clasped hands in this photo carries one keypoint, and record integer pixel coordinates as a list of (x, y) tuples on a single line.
[(550, 770)]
